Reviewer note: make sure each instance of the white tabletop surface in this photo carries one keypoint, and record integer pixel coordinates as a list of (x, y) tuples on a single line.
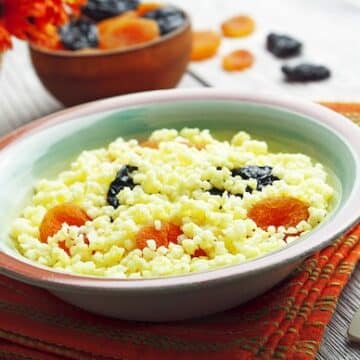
[(330, 31)]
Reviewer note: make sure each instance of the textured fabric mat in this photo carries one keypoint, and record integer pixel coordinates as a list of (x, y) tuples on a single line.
[(287, 322)]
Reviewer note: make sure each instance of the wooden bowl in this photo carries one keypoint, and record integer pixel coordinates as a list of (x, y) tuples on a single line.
[(78, 77)]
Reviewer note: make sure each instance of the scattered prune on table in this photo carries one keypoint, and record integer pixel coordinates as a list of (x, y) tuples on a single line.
[(238, 26), (205, 45), (79, 34), (238, 60), (103, 9), (121, 181), (279, 211), (262, 174), (283, 46), (168, 18), (305, 72)]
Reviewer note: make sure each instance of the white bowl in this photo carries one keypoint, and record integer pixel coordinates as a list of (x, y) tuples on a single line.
[(45, 147)]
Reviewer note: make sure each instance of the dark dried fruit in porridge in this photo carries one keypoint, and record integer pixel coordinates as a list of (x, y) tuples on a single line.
[(305, 72), (79, 34), (103, 9), (216, 191), (283, 46), (122, 180), (168, 18), (262, 174)]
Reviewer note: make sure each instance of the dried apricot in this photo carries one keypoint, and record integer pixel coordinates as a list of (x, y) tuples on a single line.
[(174, 231), (120, 32), (144, 8), (238, 26), (238, 60), (62, 214), (149, 144), (205, 45), (167, 233), (199, 252), (279, 211)]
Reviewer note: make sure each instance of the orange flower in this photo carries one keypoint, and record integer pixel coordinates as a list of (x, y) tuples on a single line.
[(35, 20), (5, 42)]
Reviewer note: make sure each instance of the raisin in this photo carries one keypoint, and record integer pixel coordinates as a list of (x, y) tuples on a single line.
[(205, 45), (121, 181), (238, 60), (126, 30), (238, 26), (305, 72), (103, 9), (279, 211), (283, 46), (79, 34), (262, 174), (168, 18)]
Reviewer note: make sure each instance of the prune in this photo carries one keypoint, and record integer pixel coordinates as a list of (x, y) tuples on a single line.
[(305, 72), (103, 9), (216, 191), (219, 192), (262, 174), (121, 181), (168, 18), (283, 46), (238, 60), (79, 34)]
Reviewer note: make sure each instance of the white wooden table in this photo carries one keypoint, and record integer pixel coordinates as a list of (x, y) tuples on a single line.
[(23, 99)]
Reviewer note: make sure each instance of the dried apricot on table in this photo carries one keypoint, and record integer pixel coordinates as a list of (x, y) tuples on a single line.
[(126, 31), (167, 233), (61, 214), (238, 26), (238, 60), (144, 8), (279, 211), (205, 45)]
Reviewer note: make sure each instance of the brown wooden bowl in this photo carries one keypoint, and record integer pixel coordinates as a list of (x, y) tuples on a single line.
[(78, 77)]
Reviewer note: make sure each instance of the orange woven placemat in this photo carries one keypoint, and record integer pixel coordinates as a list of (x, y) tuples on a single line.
[(287, 322)]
